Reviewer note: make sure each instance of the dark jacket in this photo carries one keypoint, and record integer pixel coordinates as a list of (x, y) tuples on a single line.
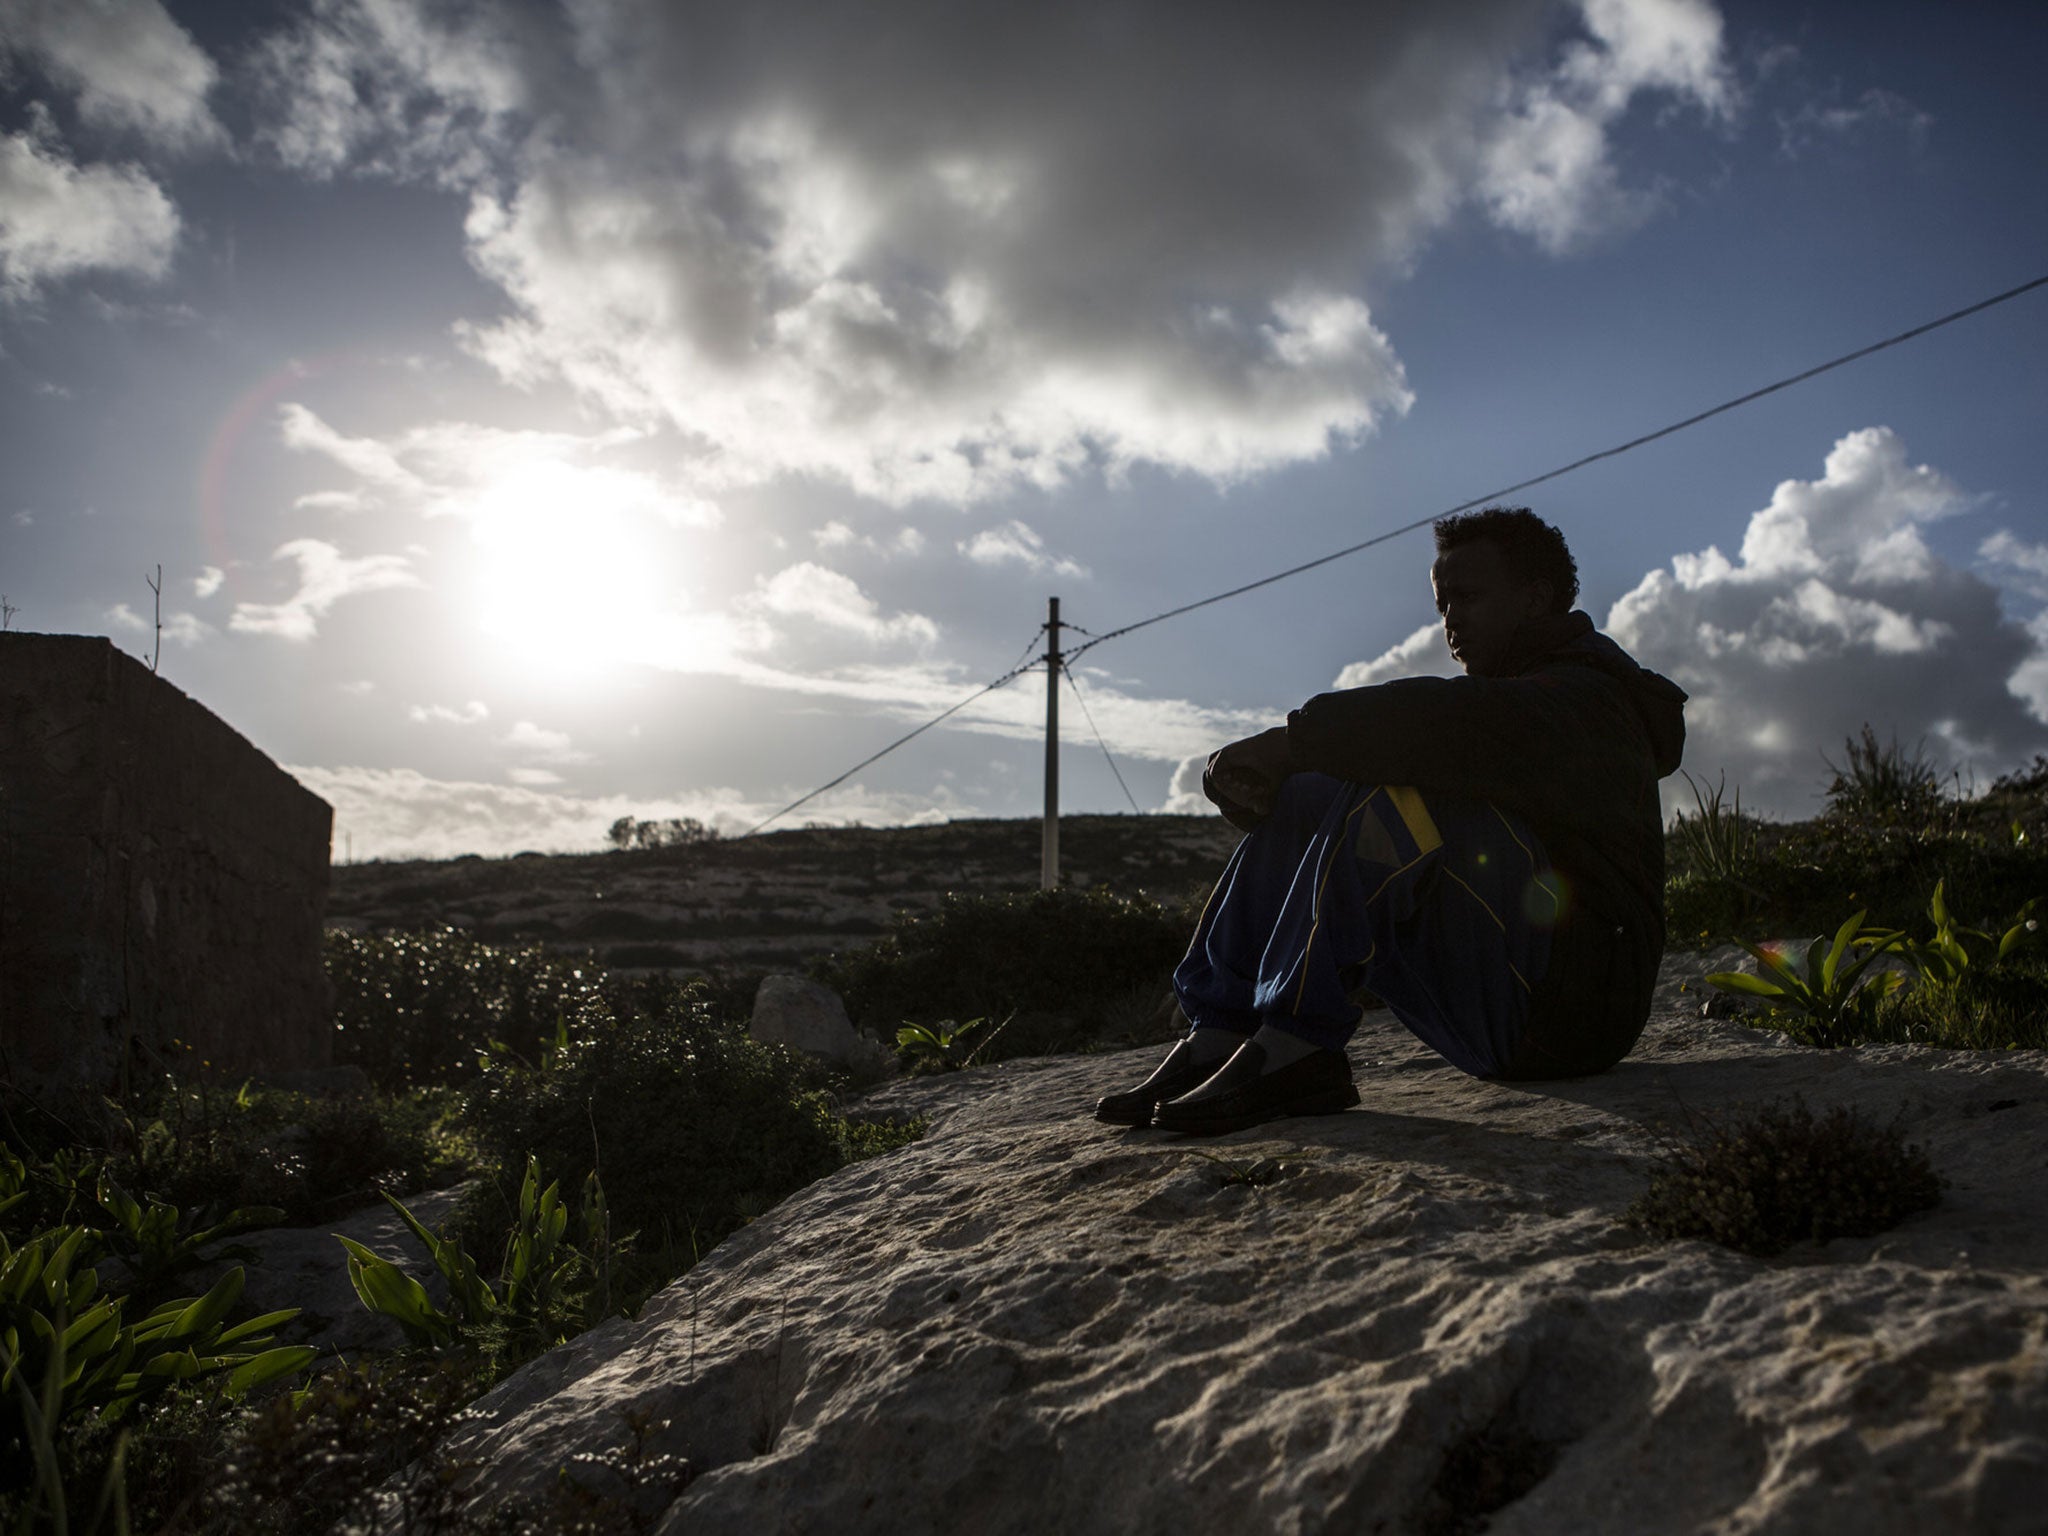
[(1574, 739)]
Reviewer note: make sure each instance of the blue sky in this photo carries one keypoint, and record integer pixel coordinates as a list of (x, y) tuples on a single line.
[(547, 413)]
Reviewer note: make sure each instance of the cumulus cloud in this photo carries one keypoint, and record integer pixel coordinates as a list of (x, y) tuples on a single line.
[(839, 535), (208, 581), (2024, 565), (1017, 543), (1424, 653), (810, 591), (475, 712), (948, 252), (393, 87), (130, 66), (1546, 170), (1835, 613), (58, 219), (326, 576), (541, 743)]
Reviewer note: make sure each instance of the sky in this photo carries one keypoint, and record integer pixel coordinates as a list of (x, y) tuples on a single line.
[(548, 412)]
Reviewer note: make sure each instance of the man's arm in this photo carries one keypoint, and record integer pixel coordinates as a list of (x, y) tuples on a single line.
[(1242, 779), (1552, 744)]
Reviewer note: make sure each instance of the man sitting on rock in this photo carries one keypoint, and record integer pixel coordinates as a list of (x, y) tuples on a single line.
[(1484, 853)]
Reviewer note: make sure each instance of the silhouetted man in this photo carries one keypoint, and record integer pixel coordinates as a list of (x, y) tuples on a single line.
[(1484, 853)]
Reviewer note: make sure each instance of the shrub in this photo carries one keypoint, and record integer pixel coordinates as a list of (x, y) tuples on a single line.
[(1884, 784), (1069, 965), (413, 1009), (1784, 1176), (311, 1157), (689, 1121)]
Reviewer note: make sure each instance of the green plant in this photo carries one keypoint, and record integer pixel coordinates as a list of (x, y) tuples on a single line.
[(1718, 844), (316, 1459), (1957, 951), (1784, 1175), (414, 1009), (69, 1351), (530, 1306), (1822, 1002), (1061, 964), (154, 1240), (694, 1122), (942, 1047), (1883, 783)]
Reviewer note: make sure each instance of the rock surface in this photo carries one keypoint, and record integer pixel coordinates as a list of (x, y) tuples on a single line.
[(809, 1017), (1428, 1318), (304, 1267)]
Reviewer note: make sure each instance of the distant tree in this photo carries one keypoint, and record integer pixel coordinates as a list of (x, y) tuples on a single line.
[(671, 832)]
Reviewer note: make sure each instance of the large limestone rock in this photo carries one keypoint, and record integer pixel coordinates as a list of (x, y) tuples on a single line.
[(1029, 1322)]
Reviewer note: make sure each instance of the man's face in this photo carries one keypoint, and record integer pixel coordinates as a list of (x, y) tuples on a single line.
[(1483, 603)]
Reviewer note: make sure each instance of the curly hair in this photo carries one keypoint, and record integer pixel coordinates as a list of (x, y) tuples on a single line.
[(1533, 549)]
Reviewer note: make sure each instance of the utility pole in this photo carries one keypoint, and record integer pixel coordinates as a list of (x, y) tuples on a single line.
[(1049, 854)]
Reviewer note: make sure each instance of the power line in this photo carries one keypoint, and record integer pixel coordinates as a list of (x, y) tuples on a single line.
[(1576, 464), (1012, 675), (1026, 662), (1087, 714)]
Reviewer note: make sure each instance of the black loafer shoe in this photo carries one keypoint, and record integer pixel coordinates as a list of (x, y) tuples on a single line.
[(1244, 1094), (1173, 1077)]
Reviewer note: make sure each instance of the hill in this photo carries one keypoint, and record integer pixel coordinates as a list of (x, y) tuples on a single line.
[(751, 905)]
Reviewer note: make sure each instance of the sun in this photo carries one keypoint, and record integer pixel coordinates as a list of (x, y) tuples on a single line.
[(569, 566)]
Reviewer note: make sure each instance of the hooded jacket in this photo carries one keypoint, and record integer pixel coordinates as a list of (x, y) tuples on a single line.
[(1573, 737)]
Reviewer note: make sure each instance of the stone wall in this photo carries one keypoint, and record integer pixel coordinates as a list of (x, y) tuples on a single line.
[(162, 882)]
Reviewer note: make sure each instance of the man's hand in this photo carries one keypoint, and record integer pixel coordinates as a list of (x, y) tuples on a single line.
[(1243, 778)]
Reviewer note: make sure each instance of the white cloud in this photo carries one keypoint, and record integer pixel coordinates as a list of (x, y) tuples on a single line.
[(2029, 681), (58, 219), (129, 65), (1547, 171), (186, 629), (325, 578), (1017, 543), (1875, 111), (533, 778), (1424, 653), (546, 745), (952, 254), (2025, 565), (1835, 614), (474, 712), (399, 813), (208, 581), (360, 688), (810, 591), (378, 463), (839, 535), (390, 87)]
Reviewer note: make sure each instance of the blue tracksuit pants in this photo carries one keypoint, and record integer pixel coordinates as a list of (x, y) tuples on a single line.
[(1443, 908)]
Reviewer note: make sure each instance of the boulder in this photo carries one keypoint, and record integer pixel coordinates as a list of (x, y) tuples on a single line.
[(809, 1017), (1423, 1315)]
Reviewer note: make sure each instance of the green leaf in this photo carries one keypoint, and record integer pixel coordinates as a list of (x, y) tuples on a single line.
[(271, 1365), (255, 1326), (390, 1292), (1742, 981), (207, 1313)]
